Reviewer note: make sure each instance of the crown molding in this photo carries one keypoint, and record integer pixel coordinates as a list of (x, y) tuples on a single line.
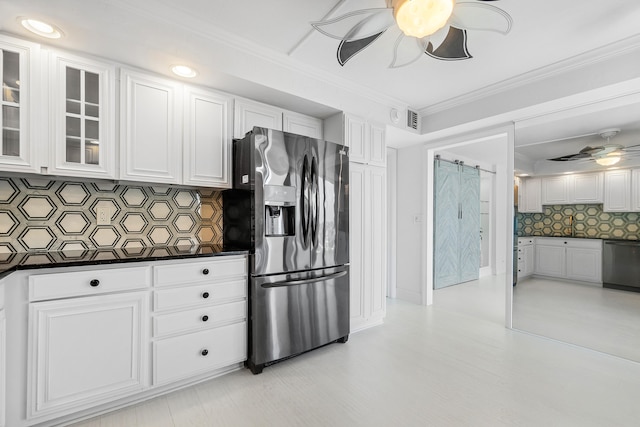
[(248, 47), (595, 56)]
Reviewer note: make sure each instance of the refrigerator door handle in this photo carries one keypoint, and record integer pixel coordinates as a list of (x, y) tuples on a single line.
[(314, 201), (283, 283), (305, 214)]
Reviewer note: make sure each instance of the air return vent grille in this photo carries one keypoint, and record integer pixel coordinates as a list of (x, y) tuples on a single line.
[(412, 119)]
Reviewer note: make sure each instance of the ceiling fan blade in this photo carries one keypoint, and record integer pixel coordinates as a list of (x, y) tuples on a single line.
[(407, 50), (348, 49), (453, 48), (356, 25), (482, 17), (571, 157)]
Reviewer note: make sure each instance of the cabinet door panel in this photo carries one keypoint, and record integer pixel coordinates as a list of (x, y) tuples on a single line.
[(2, 367), (550, 260), (248, 114), (378, 240), (588, 188), (555, 190), (18, 101), (85, 351), (302, 125), (584, 264), (151, 148), (82, 113), (207, 139), (377, 146), (357, 209), (356, 138), (635, 187), (617, 191)]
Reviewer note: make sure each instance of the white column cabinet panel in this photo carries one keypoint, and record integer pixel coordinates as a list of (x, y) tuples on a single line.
[(377, 145), (82, 116), (19, 103), (367, 245), (151, 129), (617, 191), (248, 114), (87, 350), (207, 138), (301, 124), (355, 130)]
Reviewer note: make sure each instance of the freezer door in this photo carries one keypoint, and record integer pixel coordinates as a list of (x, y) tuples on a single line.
[(294, 313), (329, 204), (282, 179)]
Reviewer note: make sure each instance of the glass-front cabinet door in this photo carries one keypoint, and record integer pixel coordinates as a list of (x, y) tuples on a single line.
[(16, 152), (83, 99)]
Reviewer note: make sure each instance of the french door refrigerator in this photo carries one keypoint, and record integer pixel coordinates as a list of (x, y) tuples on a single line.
[(289, 208)]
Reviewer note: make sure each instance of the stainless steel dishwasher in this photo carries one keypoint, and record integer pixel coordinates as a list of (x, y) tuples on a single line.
[(621, 265)]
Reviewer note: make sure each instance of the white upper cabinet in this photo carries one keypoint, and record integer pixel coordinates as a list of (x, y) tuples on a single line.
[(301, 124), (529, 195), (207, 138), (151, 128), (587, 188), (248, 114), (573, 189), (617, 191), (18, 73), (555, 190), (82, 112), (366, 141)]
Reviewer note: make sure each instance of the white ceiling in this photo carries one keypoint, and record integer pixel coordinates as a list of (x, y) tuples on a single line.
[(154, 34)]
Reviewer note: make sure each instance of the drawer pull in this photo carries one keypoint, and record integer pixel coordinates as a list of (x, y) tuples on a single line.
[(204, 352), (94, 283), (205, 295), (205, 271), (205, 318)]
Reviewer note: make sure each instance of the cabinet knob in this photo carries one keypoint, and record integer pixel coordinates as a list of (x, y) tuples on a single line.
[(205, 271), (565, 243), (205, 295), (94, 282), (205, 318), (204, 352)]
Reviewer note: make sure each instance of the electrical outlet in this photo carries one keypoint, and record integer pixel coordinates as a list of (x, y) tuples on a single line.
[(103, 215)]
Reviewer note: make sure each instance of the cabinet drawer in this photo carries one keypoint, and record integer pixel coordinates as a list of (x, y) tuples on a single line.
[(187, 355), (79, 283), (206, 294), (205, 271), (525, 241), (194, 320)]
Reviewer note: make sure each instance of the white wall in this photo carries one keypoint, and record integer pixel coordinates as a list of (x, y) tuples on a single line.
[(409, 232)]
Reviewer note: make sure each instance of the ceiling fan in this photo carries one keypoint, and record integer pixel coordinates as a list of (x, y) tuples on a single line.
[(605, 155), (437, 28)]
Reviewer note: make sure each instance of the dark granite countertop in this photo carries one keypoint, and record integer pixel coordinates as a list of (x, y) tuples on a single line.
[(581, 237), (10, 262)]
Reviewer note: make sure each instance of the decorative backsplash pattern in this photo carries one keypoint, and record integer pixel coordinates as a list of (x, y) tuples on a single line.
[(47, 215), (588, 221)]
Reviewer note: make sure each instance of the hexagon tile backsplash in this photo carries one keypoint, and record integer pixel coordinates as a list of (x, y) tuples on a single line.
[(40, 214), (588, 221)]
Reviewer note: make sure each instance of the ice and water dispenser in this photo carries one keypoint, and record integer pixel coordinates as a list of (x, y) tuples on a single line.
[(279, 210)]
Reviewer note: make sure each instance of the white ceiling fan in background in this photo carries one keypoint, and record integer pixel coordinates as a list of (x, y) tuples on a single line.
[(605, 155)]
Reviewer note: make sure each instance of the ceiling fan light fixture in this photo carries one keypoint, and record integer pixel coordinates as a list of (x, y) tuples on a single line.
[(421, 18), (607, 160)]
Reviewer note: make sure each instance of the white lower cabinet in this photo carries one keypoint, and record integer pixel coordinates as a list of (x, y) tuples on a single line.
[(367, 245), (526, 256), (87, 339), (87, 350), (3, 369), (570, 258)]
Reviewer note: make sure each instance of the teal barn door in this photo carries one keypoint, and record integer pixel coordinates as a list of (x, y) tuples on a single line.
[(456, 224)]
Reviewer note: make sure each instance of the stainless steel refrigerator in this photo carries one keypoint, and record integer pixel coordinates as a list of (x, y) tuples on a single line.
[(289, 208)]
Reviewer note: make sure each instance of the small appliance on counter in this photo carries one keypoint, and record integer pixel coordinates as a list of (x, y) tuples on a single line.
[(289, 208)]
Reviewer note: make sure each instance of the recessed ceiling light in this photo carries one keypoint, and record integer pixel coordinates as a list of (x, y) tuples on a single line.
[(184, 71), (41, 28)]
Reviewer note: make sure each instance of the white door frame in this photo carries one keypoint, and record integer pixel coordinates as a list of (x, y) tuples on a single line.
[(505, 132)]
